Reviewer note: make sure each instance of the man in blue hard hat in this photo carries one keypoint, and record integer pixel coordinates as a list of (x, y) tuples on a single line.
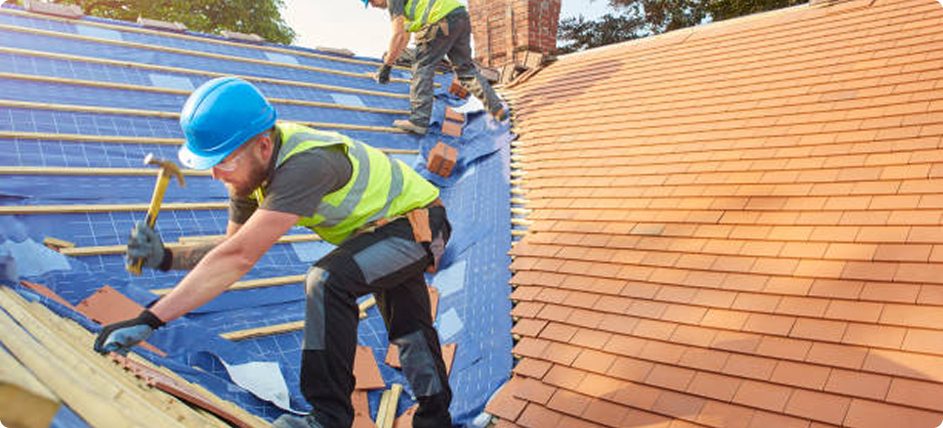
[(387, 221), (441, 27)]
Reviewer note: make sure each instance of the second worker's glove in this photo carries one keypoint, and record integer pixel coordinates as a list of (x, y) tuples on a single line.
[(121, 336), (145, 243), (383, 74)]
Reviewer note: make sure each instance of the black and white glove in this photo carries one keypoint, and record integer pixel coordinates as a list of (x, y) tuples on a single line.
[(121, 336)]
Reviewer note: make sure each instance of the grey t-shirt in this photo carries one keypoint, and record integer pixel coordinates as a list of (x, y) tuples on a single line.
[(396, 7), (298, 185)]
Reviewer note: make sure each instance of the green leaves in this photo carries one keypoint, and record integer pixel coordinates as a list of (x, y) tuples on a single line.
[(633, 19), (578, 33), (262, 17)]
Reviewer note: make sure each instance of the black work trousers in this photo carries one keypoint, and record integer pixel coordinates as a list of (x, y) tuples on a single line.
[(389, 263)]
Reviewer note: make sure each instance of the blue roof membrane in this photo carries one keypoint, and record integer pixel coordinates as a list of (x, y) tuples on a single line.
[(19, 32), (474, 309), (38, 63)]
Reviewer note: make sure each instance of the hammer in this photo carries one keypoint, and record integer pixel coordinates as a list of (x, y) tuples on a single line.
[(167, 169)]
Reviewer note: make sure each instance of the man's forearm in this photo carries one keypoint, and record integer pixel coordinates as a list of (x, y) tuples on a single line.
[(398, 43), (224, 264), (209, 279), (187, 257)]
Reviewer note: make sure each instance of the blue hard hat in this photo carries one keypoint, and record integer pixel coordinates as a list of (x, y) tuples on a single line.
[(366, 2), (220, 116)]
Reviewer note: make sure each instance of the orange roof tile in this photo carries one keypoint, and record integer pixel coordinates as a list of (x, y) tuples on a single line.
[(735, 225)]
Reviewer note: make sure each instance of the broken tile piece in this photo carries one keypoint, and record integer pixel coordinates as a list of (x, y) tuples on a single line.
[(433, 301), (361, 410), (366, 370), (107, 306), (406, 419), (448, 356)]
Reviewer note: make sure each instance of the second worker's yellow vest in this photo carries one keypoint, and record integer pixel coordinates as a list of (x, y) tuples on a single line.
[(379, 186), (418, 13)]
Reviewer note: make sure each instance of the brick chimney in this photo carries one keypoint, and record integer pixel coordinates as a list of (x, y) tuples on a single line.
[(507, 30)]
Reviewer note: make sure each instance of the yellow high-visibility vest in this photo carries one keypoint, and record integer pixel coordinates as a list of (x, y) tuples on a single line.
[(419, 13), (379, 186)]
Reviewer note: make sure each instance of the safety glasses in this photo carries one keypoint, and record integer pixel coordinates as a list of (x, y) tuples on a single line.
[(229, 164)]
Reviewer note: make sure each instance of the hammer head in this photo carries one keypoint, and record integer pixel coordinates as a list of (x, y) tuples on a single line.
[(167, 167)]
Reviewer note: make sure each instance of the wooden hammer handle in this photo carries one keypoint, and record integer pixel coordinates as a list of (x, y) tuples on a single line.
[(163, 179)]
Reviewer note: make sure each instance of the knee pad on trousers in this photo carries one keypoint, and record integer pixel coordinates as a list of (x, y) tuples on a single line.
[(315, 282), (419, 365)]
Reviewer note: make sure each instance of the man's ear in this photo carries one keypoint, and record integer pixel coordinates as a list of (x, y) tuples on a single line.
[(266, 145)]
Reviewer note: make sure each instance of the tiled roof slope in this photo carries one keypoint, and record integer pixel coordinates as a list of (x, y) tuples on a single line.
[(736, 225)]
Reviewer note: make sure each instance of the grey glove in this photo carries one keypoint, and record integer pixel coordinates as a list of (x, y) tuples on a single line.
[(145, 243), (383, 74)]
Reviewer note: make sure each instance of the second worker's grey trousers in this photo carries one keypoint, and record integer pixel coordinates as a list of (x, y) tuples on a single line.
[(457, 45)]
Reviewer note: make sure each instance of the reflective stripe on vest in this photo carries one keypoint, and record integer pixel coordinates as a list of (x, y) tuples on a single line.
[(379, 186), (419, 13)]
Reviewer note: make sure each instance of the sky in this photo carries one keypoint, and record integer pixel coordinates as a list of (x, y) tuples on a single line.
[(346, 24)]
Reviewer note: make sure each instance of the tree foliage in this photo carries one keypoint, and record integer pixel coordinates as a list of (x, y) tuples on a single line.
[(262, 17), (578, 33), (639, 18)]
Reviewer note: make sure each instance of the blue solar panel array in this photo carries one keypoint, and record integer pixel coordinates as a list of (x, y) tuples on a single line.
[(69, 87)]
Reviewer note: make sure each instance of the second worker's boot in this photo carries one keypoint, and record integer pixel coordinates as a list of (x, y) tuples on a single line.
[(408, 126)]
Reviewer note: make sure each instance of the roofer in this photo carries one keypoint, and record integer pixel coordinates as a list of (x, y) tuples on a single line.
[(388, 223), (442, 27)]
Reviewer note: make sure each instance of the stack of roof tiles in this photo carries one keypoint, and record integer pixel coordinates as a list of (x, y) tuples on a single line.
[(736, 225)]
